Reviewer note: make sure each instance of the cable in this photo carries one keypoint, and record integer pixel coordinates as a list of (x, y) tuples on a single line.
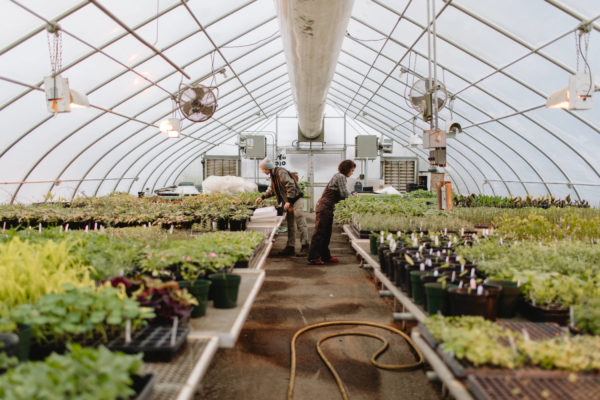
[(401, 367)]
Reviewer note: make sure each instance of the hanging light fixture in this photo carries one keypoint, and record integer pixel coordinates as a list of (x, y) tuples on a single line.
[(172, 125), (578, 94), (59, 97)]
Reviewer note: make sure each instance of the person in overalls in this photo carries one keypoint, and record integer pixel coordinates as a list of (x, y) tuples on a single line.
[(289, 194), (335, 191)]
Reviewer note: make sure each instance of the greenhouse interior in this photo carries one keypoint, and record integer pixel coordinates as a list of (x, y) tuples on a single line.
[(269, 199)]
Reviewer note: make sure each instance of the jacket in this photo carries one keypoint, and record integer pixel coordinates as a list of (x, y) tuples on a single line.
[(284, 186)]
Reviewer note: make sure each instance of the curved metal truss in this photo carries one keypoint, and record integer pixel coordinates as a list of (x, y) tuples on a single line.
[(115, 145)]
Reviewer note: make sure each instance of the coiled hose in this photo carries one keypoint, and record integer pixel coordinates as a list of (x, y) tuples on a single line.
[(351, 333)]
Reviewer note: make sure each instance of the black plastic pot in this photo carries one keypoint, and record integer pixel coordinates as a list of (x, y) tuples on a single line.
[(541, 314), (24, 332), (373, 244), (492, 292), (222, 224), (198, 288), (237, 225), (416, 287), (464, 303), (9, 343), (509, 297), (437, 298), (224, 289)]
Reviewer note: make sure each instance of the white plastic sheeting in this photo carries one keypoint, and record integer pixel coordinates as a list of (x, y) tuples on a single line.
[(498, 59)]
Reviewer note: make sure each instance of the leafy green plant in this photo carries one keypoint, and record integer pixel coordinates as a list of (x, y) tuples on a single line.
[(31, 270), (84, 315), (83, 373), (483, 342), (587, 316)]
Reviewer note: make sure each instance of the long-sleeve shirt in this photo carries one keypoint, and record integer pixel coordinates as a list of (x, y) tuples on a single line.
[(340, 183)]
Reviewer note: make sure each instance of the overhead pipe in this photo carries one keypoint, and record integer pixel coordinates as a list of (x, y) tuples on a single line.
[(312, 32)]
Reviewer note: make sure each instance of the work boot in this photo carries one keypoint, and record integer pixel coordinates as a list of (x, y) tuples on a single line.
[(303, 251), (288, 251)]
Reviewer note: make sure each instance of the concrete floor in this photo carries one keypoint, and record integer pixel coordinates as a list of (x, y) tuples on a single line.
[(293, 296)]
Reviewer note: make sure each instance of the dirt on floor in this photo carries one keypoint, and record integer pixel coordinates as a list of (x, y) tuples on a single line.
[(295, 295)]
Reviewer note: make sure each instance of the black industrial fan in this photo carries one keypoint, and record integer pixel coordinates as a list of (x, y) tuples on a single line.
[(197, 102)]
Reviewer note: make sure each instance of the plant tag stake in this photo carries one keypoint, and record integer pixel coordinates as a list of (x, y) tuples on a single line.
[(501, 241), (436, 273), (511, 341), (101, 228), (381, 238), (479, 290), (128, 331), (473, 284), (3, 226), (171, 230), (40, 227), (462, 231), (174, 330), (460, 284), (445, 231), (571, 316), (526, 335), (428, 262), (462, 268), (67, 227), (95, 226), (436, 241), (87, 229), (422, 267), (473, 273), (453, 276)]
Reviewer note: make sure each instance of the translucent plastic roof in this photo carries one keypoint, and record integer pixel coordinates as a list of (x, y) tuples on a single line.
[(498, 59)]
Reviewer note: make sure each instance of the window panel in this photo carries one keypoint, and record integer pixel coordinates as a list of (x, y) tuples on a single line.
[(547, 23), (104, 69), (102, 30), (376, 15), (10, 33), (255, 38), (511, 92), (172, 26), (221, 31)]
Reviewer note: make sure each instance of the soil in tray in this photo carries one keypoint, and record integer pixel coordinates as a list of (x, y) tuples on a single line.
[(533, 385)]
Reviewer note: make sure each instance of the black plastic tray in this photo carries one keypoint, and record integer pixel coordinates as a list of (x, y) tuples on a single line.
[(143, 385), (154, 341)]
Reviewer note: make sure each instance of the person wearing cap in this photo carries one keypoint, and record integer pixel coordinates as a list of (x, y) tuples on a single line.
[(335, 191), (289, 194)]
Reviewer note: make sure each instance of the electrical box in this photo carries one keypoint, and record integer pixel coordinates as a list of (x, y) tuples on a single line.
[(437, 157), (433, 139), (365, 146), (256, 147)]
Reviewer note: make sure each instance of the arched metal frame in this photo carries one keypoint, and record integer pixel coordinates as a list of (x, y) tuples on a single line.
[(215, 132)]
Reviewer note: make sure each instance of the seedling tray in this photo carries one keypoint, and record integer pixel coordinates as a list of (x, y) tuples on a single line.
[(533, 385), (462, 368), (154, 341), (143, 384), (427, 336), (536, 330)]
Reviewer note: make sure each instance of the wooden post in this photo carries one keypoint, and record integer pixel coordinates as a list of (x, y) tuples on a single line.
[(444, 195)]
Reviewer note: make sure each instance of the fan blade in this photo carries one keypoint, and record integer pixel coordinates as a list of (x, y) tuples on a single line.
[(199, 92), (186, 108)]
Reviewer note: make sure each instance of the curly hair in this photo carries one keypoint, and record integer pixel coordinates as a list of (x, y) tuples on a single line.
[(345, 166)]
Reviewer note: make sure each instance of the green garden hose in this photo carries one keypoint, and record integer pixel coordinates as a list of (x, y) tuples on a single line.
[(353, 333)]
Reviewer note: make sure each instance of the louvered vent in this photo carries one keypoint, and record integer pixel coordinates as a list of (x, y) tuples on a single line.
[(399, 173), (221, 167)]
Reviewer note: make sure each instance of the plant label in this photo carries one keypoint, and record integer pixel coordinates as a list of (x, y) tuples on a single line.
[(422, 267), (128, 331)]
